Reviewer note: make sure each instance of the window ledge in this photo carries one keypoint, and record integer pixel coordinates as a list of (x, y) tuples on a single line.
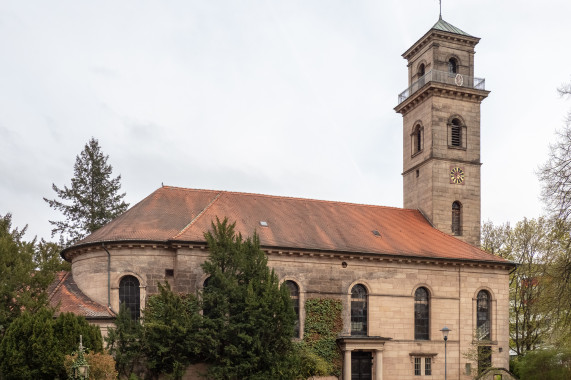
[(456, 147)]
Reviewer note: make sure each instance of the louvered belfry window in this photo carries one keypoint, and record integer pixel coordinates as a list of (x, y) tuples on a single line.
[(359, 310), (456, 218), (421, 314), (294, 295), (130, 295), (456, 133)]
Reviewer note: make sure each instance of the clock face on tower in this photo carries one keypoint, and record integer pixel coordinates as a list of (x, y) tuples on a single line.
[(456, 175)]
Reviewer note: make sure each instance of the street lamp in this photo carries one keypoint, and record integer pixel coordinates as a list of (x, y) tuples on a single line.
[(80, 368), (445, 330)]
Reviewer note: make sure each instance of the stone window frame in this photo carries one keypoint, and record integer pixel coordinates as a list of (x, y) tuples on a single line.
[(349, 293), (115, 281), (417, 357), (492, 315), (428, 312), (457, 61), (301, 316), (430, 297), (457, 128), (417, 138)]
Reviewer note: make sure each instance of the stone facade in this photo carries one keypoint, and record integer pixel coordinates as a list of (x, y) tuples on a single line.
[(390, 284)]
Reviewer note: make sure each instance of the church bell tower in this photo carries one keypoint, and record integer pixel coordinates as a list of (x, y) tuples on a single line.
[(441, 131)]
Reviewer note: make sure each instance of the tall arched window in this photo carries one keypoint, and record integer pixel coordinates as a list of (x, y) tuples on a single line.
[(456, 218), (417, 139), (483, 320), (421, 314), (130, 295), (452, 66), (294, 295), (358, 310), (456, 133)]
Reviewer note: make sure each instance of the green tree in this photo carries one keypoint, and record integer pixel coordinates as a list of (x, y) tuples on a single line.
[(125, 342), (35, 344), (93, 198), (171, 327), (531, 244), (26, 270), (546, 364), (248, 318)]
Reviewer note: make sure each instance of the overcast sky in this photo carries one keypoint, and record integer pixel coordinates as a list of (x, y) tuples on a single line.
[(282, 97)]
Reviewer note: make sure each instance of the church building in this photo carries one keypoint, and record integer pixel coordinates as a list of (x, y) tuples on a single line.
[(403, 276)]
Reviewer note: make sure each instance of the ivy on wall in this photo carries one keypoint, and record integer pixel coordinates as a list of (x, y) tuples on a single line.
[(323, 324)]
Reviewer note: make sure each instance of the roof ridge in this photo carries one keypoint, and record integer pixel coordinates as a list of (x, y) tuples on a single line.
[(292, 198), (59, 285), (198, 216)]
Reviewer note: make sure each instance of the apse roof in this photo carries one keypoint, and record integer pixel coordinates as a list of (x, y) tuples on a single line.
[(447, 27), (172, 214), (65, 296)]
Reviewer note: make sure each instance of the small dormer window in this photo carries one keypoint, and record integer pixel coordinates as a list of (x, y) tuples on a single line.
[(452, 66)]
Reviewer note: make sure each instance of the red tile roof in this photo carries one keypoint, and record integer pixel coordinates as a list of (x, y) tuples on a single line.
[(172, 214), (65, 296)]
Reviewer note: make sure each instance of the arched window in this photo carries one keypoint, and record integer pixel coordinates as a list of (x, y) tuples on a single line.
[(456, 133), (483, 322), (421, 314), (358, 310), (452, 66), (421, 79), (421, 70), (130, 295), (417, 139), (294, 295), (456, 218)]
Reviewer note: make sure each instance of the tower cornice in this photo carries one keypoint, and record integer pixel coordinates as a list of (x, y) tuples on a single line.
[(441, 90)]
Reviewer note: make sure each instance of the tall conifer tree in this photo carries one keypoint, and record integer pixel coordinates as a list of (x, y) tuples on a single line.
[(248, 318), (93, 198)]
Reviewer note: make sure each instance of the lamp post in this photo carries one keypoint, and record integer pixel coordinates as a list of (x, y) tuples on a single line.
[(445, 330), (80, 368)]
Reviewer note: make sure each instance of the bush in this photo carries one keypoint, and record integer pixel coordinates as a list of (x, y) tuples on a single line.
[(101, 365), (550, 364), (35, 345)]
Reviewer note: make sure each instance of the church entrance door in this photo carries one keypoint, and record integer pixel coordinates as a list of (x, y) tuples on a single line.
[(361, 365)]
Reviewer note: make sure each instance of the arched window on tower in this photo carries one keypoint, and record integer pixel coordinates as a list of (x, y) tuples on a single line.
[(421, 314), (358, 310), (294, 295), (452, 66), (417, 139), (483, 320), (421, 73), (457, 218), (456, 133), (130, 295)]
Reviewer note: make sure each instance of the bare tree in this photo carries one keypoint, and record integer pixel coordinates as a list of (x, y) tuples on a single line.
[(555, 174)]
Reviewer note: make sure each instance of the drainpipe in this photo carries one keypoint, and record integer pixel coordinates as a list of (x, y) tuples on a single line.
[(108, 276)]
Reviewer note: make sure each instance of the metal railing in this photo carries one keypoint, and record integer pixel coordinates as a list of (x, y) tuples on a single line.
[(443, 77)]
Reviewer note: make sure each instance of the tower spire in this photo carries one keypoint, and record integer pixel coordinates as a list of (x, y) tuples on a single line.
[(440, 15)]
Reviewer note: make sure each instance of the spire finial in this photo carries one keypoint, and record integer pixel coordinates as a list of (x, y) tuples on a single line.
[(440, 15)]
